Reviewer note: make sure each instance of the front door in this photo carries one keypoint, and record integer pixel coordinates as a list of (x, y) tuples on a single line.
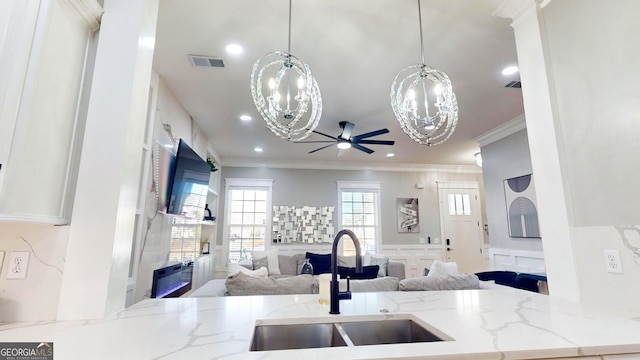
[(461, 226)]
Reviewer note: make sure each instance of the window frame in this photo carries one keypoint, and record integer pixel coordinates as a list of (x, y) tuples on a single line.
[(368, 186), (246, 184)]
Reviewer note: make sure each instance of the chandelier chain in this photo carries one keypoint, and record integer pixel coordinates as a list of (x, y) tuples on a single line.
[(421, 39), (289, 43)]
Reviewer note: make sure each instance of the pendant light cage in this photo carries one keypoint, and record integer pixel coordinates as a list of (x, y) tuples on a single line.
[(423, 101), (286, 94)]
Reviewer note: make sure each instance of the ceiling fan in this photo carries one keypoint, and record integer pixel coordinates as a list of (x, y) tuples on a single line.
[(345, 140)]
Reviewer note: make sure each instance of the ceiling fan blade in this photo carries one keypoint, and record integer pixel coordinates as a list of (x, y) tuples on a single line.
[(361, 148), (329, 136), (370, 134), (375, 142), (318, 149), (347, 128), (313, 141)]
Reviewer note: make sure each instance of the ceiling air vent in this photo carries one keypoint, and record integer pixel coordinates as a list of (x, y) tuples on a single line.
[(206, 61), (514, 84)]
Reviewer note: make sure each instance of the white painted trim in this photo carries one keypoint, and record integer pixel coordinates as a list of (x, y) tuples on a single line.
[(248, 182), (512, 9), (517, 260), (457, 185), (329, 165), (510, 127), (245, 183), (361, 185), (358, 185), (89, 10)]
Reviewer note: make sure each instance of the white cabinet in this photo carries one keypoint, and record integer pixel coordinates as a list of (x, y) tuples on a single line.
[(202, 271), (41, 107)]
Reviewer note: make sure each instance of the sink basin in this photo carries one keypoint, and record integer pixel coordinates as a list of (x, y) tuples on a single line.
[(296, 336), (387, 332), (353, 331)]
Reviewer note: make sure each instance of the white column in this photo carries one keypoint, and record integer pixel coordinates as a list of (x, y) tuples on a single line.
[(101, 230), (545, 143)]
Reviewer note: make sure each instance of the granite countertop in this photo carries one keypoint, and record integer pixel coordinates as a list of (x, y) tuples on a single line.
[(485, 324)]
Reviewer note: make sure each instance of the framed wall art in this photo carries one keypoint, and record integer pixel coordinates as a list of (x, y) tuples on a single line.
[(408, 216), (522, 209)]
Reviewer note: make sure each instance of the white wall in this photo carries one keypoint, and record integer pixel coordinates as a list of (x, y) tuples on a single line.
[(36, 297), (593, 53), (299, 187), (504, 159)]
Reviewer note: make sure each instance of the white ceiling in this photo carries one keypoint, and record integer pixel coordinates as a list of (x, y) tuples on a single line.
[(354, 49)]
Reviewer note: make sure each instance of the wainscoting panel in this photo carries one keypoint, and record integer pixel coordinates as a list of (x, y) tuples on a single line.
[(414, 257), (517, 260)]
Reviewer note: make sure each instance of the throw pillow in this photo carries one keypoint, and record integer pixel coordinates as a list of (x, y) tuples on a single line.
[(380, 260), (288, 264), (438, 268), (237, 268), (368, 272), (386, 283), (242, 284), (261, 262), (347, 261), (425, 272), (449, 282), (272, 258), (321, 263)]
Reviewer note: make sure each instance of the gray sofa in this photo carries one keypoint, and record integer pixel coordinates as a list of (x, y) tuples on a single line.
[(289, 281), (291, 265)]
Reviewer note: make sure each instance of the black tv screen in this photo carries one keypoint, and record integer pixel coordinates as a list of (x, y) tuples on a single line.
[(190, 182)]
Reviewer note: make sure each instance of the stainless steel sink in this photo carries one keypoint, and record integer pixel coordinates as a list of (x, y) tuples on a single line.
[(387, 332), (295, 336), (354, 331)]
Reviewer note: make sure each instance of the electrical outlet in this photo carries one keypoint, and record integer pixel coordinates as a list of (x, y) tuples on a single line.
[(18, 264), (612, 261)]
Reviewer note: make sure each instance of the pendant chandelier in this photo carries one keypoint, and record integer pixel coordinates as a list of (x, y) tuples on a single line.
[(426, 122), (286, 94)]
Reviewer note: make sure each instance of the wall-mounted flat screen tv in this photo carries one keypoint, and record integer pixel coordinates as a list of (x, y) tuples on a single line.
[(190, 183)]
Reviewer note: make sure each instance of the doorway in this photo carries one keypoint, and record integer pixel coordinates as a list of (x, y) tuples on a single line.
[(461, 226)]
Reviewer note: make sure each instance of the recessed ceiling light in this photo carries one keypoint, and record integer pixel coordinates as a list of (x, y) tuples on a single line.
[(257, 149), (245, 117), (234, 49), (391, 155), (510, 70)]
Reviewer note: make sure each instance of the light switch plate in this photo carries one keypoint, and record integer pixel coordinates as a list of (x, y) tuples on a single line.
[(18, 265)]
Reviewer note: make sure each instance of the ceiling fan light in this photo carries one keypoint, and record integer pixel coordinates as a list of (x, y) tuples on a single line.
[(344, 145)]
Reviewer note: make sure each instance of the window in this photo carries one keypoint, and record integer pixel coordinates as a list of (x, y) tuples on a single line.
[(248, 217), (185, 239), (459, 204), (359, 212)]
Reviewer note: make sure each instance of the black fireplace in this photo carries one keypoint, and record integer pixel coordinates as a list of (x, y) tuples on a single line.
[(172, 281)]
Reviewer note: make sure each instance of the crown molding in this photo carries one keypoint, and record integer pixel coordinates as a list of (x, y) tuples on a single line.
[(333, 165), (89, 10), (510, 127)]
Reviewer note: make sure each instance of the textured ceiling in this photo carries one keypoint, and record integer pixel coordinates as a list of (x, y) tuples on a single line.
[(354, 49)]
